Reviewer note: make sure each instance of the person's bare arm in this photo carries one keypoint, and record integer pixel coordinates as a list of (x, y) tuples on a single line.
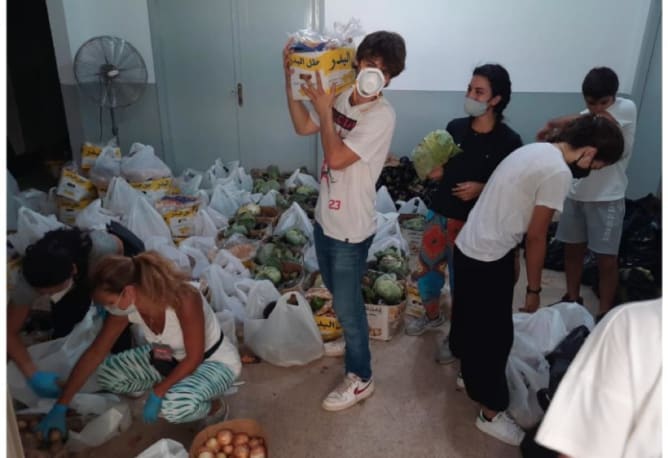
[(536, 246), (90, 360), (191, 318), (17, 351), (337, 154)]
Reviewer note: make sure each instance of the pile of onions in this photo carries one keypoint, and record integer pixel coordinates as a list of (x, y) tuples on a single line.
[(228, 444)]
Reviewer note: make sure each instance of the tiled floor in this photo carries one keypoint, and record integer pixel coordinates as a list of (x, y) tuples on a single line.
[(415, 411)]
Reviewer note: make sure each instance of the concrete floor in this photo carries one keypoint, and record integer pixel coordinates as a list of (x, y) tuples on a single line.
[(415, 411)]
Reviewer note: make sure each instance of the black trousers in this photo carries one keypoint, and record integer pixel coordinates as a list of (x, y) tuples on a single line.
[(482, 326)]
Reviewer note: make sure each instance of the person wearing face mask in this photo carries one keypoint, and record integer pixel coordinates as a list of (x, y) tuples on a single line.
[(55, 268), (187, 364), (520, 198), (356, 131), (485, 141), (594, 209)]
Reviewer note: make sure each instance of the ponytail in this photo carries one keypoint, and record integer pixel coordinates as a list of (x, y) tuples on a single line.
[(156, 277)]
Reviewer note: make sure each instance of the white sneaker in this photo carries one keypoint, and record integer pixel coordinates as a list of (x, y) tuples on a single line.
[(501, 427), (336, 347), (349, 392)]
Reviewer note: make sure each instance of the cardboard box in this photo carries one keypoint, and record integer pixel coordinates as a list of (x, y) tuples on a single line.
[(250, 427), (75, 187), (385, 321), (329, 326), (334, 65)]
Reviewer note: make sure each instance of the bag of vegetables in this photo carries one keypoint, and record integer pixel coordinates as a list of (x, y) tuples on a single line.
[(434, 150)]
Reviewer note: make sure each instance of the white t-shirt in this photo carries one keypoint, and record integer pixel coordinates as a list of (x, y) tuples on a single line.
[(609, 183), (535, 174), (346, 204), (172, 335), (609, 402)]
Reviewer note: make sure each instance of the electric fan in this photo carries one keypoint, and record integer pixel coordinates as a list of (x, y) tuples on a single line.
[(111, 72)]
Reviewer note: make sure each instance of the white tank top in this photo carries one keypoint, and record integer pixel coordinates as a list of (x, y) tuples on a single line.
[(172, 335)]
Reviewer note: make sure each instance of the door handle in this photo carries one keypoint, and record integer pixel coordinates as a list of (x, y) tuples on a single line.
[(240, 94)]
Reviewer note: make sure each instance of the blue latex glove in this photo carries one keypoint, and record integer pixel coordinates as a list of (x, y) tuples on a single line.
[(55, 419), (152, 408), (44, 384)]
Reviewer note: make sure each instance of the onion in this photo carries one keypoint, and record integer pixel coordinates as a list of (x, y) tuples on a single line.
[(258, 452), (205, 454), (228, 449), (241, 451), (253, 442), (224, 437), (212, 444), (240, 439), (221, 455)]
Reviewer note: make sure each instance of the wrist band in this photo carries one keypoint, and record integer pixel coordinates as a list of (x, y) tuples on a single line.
[(533, 291)]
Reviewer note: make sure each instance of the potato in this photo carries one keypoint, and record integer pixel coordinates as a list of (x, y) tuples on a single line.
[(228, 449), (224, 437), (221, 455), (253, 442), (205, 454)]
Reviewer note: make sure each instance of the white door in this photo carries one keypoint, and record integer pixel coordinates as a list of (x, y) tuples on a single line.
[(220, 82)]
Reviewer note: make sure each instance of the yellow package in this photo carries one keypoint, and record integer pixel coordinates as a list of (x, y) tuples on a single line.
[(154, 189), (74, 186), (69, 209), (90, 152), (334, 65)]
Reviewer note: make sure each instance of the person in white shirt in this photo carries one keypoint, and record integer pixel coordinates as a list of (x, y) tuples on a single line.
[(356, 130), (594, 209), (608, 404), (520, 198)]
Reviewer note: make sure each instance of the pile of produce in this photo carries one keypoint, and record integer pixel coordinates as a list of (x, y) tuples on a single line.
[(391, 260), (382, 288), (37, 446), (228, 444)]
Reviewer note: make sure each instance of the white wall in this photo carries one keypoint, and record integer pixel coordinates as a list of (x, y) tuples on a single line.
[(546, 46), (75, 21)]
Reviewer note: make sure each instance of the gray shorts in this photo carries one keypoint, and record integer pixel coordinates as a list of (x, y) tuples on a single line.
[(599, 224)]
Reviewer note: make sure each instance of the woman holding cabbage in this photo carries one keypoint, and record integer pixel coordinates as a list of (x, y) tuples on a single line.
[(461, 159)]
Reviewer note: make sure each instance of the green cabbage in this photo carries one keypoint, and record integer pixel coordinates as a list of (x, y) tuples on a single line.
[(435, 149), (295, 237), (389, 289), (269, 273)]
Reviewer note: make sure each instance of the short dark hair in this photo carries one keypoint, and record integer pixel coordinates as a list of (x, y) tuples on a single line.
[(389, 46), (597, 131), (600, 82), (499, 80), (48, 262)]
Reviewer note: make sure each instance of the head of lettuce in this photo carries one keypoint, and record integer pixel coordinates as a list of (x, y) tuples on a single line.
[(435, 149)]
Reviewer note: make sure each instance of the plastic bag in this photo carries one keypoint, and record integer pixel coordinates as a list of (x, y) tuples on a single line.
[(227, 322), (114, 421), (188, 183), (198, 261), (145, 221), (106, 166), (31, 226), (289, 336), (311, 258), (301, 179), (90, 152), (269, 199), (524, 382), (294, 217), (213, 278), (223, 202), (414, 206), (59, 356), (120, 196), (95, 217), (165, 448), (256, 294), (204, 225), (233, 267), (165, 247), (142, 165), (384, 202)]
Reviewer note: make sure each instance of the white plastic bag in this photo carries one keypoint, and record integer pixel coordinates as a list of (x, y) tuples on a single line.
[(223, 202), (414, 206), (106, 166), (233, 267), (59, 356), (574, 315), (198, 261), (215, 277), (301, 179), (269, 199), (204, 225), (142, 165), (294, 217), (165, 247), (188, 182), (256, 294), (227, 322), (95, 217), (384, 202), (114, 421), (165, 448), (120, 196), (311, 259), (219, 220), (145, 221), (289, 336), (31, 226), (524, 381)]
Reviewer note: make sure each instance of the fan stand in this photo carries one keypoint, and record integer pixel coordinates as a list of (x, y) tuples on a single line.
[(114, 127)]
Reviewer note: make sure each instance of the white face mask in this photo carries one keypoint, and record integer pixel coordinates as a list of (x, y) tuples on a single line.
[(474, 108), (369, 82), (117, 311), (56, 297)]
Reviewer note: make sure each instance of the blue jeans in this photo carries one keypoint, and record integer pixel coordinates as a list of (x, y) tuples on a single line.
[(342, 266)]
